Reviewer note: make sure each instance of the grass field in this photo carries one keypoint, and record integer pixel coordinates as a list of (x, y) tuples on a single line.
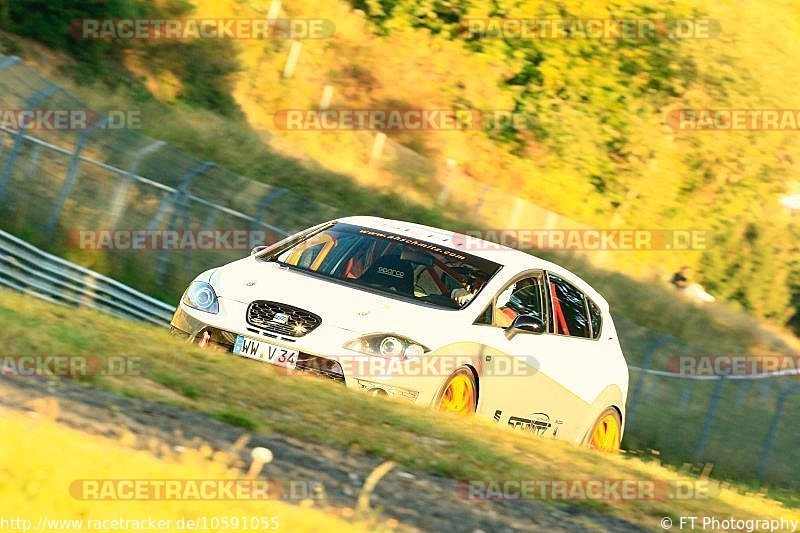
[(237, 391), (38, 481)]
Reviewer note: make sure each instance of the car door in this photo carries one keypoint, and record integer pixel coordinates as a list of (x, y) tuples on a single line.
[(546, 393), (510, 389), (580, 366)]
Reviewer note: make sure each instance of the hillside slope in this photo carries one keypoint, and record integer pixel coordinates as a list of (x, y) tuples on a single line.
[(186, 383), (598, 149)]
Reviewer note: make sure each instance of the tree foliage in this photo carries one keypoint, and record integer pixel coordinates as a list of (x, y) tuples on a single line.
[(598, 148)]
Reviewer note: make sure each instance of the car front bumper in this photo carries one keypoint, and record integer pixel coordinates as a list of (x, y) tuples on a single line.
[(315, 355)]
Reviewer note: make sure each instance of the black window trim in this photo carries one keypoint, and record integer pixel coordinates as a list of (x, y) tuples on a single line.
[(586, 310), (595, 335), (522, 275)]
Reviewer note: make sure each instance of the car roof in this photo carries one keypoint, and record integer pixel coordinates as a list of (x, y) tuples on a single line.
[(515, 260)]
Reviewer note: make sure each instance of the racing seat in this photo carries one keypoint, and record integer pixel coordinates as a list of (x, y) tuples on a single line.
[(391, 272)]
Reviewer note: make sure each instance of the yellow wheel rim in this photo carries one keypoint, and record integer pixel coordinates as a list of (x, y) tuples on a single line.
[(605, 436), (459, 396)]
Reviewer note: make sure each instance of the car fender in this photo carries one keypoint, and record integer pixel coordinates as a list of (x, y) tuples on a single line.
[(611, 396)]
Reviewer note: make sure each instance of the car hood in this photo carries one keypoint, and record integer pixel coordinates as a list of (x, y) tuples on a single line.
[(339, 305)]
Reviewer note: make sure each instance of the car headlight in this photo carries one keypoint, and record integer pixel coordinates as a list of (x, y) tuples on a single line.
[(386, 346), (201, 296)]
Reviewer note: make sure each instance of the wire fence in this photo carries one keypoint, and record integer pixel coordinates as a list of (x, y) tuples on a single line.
[(54, 182), (740, 424)]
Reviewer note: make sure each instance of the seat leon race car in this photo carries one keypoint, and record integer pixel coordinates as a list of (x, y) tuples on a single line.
[(425, 315)]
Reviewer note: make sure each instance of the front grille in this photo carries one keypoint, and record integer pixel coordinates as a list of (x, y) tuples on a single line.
[(299, 322)]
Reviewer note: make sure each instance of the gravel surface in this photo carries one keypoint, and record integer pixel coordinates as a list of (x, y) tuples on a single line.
[(419, 501)]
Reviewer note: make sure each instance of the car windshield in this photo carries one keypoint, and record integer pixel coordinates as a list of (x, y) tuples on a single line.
[(391, 264)]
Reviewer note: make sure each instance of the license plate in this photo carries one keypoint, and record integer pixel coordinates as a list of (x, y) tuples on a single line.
[(265, 351)]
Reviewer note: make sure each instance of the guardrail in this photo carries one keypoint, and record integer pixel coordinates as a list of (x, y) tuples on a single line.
[(25, 268)]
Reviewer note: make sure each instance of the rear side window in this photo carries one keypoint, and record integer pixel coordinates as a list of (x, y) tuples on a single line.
[(596, 317), (569, 309)]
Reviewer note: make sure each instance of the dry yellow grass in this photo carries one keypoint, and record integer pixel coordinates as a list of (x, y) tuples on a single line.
[(38, 463), (40, 459)]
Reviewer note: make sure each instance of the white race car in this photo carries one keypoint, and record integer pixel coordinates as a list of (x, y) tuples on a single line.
[(431, 316)]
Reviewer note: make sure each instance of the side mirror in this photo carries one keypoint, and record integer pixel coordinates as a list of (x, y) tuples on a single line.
[(257, 249), (525, 324)]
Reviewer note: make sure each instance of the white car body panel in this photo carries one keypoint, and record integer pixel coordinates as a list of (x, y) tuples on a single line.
[(569, 380)]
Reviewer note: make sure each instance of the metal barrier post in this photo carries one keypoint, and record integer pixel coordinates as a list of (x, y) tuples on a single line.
[(686, 394), (71, 178), (180, 201), (19, 138), (716, 395), (773, 431), (33, 161), (271, 196), (120, 197)]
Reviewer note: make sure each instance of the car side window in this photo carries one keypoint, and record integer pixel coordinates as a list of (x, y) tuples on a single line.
[(485, 318), (596, 318), (569, 309), (523, 297)]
